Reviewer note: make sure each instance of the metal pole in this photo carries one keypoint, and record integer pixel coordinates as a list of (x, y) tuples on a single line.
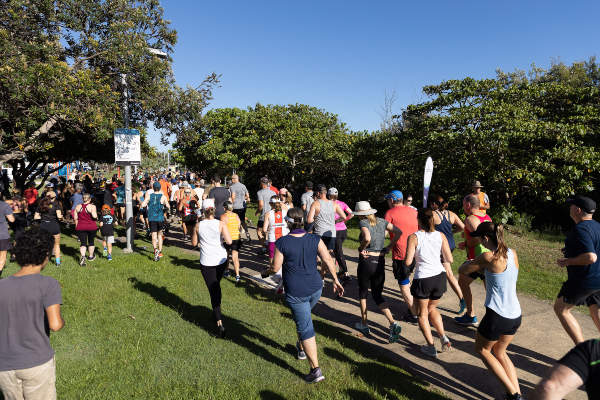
[(128, 203), (168, 162)]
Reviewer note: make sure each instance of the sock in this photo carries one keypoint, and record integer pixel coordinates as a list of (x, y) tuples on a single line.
[(313, 370), (58, 259), (105, 249)]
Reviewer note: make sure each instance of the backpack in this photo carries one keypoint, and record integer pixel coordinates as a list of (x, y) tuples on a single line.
[(189, 209)]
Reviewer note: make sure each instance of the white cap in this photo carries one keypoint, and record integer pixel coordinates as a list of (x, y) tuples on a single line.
[(208, 203), (332, 191), (274, 200)]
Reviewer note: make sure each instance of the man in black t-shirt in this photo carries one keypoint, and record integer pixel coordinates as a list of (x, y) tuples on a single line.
[(220, 195), (581, 366)]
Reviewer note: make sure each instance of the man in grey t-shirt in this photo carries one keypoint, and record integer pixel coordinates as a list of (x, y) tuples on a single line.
[(239, 196), (264, 195), (306, 201), (5, 244)]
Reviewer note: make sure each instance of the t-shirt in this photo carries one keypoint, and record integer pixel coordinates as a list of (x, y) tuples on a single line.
[(274, 189), (240, 194), (199, 192), (584, 238), (264, 195), (342, 225), (220, 196), (377, 234), (24, 333), (108, 226), (165, 189), (584, 360), (5, 210), (207, 190), (76, 198), (120, 192), (301, 278), (31, 196), (307, 200), (155, 207), (404, 218), (483, 199), (106, 196)]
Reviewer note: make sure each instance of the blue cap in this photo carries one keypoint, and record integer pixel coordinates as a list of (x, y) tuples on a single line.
[(173, 180), (395, 195), (156, 185)]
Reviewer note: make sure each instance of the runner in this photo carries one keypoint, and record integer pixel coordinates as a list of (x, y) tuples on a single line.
[(429, 282), (187, 210), (306, 202), (296, 254), (371, 265), (219, 195), (286, 198), (166, 190), (5, 245), (143, 211), (405, 218), (48, 212), (474, 248), (173, 201), (408, 202), (239, 195), (581, 250), (107, 231), (503, 311), (156, 202), (31, 194), (274, 228), (211, 233), (444, 221), (322, 214), (85, 222), (273, 188), (341, 234), (484, 200), (119, 199), (232, 220), (19, 208), (208, 189), (264, 196)]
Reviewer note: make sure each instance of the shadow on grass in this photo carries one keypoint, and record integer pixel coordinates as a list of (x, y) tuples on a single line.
[(184, 262), (269, 395), (238, 331)]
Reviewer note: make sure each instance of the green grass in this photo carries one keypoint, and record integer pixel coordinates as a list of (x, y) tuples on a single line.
[(143, 330)]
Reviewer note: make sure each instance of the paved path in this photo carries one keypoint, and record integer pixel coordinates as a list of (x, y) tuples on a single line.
[(460, 374)]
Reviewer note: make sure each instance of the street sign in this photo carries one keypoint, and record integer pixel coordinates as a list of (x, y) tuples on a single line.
[(127, 147)]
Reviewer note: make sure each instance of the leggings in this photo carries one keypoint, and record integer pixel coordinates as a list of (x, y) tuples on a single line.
[(86, 238), (19, 225), (371, 269), (212, 276), (338, 250)]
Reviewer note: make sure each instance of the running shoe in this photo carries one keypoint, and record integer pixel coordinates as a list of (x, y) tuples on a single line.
[(156, 255), (222, 332), (345, 279), (301, 353), (226, 274), (280, 288), (248, 236), (92, 258), (160, 255), (315, 376), (395, 330), (250, 223), (364, 329), (516, 396), (58, 263), (109, 257), (411, 319), (446, 345), (465, 320), (463, 306), (429, 350), (82, 261), (263, 252), (238, 279), (104, 252), (184, 237)]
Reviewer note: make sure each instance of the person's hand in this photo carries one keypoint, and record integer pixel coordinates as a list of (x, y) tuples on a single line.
[(385, 250), (562, 262), (264, 273), (338, 288), (363, 253), (462, 245), (562, 250)]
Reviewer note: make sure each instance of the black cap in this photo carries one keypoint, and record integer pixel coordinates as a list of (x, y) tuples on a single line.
[(320, 188), (585, 203), (264, 179), (309, 184)]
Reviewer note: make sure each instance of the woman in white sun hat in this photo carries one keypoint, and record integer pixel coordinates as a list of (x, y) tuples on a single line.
[(371, 264)]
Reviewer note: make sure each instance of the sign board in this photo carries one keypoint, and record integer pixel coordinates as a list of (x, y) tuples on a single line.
[(427, 179), (127, 147)]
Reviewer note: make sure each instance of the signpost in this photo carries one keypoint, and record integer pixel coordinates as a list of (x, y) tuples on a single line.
[(427, 180), (128, 153)]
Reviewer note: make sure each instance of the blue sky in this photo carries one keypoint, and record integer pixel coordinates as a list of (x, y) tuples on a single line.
[(342, 56)]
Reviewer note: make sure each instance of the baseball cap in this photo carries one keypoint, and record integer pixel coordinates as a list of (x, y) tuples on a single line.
[(309, 184), (173, 180), (264, 179), (585, 203), (49, 184), (320, 188), (105, 207), (208, 203), (332, 191), (395, 195), (156, 185)]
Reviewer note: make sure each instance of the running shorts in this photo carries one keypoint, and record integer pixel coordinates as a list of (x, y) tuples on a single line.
[(122, 205), (157, 226), (329, 242), (260, 224), (431, 288), (235, 245), (578, 296), (401, 270), (6, 245), (474, 275), (241, 212), (494, 325)]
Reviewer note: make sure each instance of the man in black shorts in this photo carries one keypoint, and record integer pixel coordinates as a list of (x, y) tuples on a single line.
[(239, 196), (581, 250), (580, 366)]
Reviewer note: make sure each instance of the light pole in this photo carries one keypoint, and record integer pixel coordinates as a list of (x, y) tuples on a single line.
[(128, 193)]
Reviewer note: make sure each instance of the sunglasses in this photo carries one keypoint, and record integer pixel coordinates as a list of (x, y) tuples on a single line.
[(439, 203), (409, 201)]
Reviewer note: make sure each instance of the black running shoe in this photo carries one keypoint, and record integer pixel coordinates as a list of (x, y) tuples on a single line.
[(315, 376), (411, 319), (222, 332)]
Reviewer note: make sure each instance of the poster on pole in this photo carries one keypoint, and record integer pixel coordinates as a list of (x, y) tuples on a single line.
[(127, 147), (427, 179)]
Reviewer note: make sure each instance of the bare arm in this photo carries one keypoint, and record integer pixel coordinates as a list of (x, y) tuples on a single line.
[(313, 211), (366, 239), (454, 220), (277, 261), (261, 204), (397, 233), (232, 197), (446, 253), (55, 319), (411, 247), (582, 259), (480, 262), (560, 381), (225, 232), (10, 218), (265, 227), (94, 213), (195, 236), (339, 210), (471, 223)]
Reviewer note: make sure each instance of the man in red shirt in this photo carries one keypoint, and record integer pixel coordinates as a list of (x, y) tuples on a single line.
[(273, 188), (405, 218), (31, 195)]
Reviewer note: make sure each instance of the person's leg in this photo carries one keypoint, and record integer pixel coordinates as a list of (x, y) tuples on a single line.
[(595, 314), (154, 239), (109, 248), (10, 386), (57, 246), (568, 321), (452, 280), (500, 353), (261, 235), (435, 318), (484, 347), (39, 382), (2, 259), (408, 298), (363, 274), (82, 235), (160, 239), (310, 348), (184, 226), (338, 251), (236, 261), (91, 245), (377, 284), (464, 283), (422, 311)]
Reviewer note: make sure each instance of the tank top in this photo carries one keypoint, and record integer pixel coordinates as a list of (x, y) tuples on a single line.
[(445, 227), (84, 220), (325, 220), (212, 252), (16, 205), (427, 255), (189, 209), (476, 250), (277, 225), (232, 226), (501, 290), (155, 208)]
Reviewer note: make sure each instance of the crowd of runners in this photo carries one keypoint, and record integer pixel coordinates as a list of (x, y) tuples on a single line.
[(302, 232)]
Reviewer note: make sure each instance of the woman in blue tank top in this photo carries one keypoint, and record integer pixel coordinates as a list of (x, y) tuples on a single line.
[(503, 311)]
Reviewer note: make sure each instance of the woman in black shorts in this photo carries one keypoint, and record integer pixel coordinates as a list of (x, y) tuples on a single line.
[(371, 265), (429, 282), (503, 311), (49, 213)]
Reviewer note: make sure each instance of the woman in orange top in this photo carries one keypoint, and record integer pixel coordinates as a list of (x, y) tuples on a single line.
[(234, 225)]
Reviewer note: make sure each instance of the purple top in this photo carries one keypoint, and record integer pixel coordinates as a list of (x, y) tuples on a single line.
[(298, 231), (342, 225)]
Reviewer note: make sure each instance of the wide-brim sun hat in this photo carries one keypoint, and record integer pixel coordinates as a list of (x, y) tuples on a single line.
[(363, 208), (476, 184)]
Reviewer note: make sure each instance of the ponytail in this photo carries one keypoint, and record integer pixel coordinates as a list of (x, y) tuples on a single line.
[(425, 218), (498, 239)]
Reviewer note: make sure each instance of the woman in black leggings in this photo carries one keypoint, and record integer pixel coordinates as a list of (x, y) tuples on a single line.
[(85, 222), (371, 265), (341, 234)]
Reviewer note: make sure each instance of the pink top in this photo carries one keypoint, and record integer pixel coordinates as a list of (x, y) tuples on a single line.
[(342, 225), (85, 222)]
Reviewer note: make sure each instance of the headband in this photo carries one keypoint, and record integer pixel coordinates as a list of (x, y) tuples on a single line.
[(275, 201), (288, 219)]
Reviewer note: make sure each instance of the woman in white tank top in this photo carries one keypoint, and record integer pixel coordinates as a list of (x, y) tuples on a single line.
[(275, 227), (429, 282), (213, 257)]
